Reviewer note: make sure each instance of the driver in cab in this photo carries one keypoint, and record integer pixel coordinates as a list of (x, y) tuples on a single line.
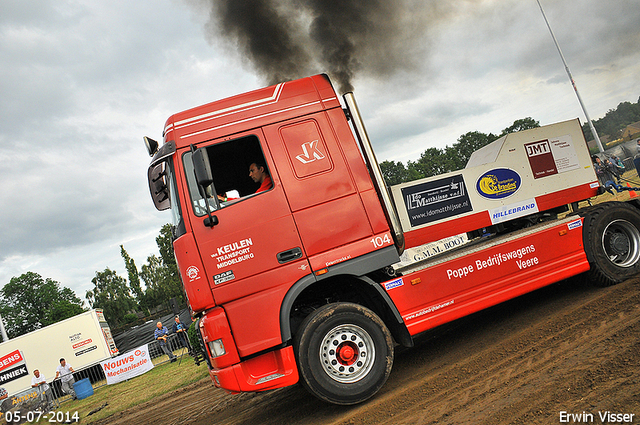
[(259, 174)]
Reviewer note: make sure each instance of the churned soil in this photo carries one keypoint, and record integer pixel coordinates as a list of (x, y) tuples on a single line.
[(568, 349)]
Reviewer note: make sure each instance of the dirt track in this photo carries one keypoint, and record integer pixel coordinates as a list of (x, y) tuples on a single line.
[(567, 348)]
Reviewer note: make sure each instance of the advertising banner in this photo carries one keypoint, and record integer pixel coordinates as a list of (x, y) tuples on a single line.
[(9, 375), (128, 365), (436, 200), (11, 359), (552, 156), (12, 367)]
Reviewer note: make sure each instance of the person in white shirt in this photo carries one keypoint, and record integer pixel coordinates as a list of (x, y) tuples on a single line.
[(40, 382), (65, 372)]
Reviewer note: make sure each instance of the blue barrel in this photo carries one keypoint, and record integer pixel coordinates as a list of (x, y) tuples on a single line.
[(83, 388)]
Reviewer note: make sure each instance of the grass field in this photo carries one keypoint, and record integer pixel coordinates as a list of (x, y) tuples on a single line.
[(161, 380)]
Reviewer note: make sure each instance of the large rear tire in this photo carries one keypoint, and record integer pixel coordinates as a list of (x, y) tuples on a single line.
[(344, 353), (612, 242)]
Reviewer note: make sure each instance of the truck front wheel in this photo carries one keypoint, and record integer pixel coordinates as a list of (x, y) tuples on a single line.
[(344, 353), (613, 240)]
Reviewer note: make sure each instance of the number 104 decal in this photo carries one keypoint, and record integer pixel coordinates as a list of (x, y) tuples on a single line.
[(380, 241)]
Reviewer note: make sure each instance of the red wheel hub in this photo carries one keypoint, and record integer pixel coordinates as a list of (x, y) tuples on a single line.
[(347, 353)]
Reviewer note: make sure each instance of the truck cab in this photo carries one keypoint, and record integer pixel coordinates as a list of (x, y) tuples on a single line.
[(245, 256)]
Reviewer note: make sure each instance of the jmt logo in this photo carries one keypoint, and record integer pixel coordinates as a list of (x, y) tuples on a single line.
[(540, 148), (310, 152)]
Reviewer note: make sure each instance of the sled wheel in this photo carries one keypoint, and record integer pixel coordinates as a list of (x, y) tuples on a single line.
[(612, 239), (344, 353)]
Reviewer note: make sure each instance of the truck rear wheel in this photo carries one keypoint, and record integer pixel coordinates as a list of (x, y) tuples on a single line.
[(344, 353), (612, 239)]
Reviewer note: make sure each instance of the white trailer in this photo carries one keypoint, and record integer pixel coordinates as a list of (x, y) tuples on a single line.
[(83, 340)]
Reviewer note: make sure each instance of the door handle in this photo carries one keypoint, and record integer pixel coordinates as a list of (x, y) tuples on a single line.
[(289, 255)]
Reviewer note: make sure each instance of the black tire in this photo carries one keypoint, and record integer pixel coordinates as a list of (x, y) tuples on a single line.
[(344, 353), (612, 243)]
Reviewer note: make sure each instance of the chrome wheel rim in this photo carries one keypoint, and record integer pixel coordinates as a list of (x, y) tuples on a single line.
[(621, 243), (347, 353)]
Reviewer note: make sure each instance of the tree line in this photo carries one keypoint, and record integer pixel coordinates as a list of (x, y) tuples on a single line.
[(29, 302), (436, 161), (121, 299), (615, 121)]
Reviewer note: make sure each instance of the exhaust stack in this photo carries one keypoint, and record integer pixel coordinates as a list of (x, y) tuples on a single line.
[(374, 170)]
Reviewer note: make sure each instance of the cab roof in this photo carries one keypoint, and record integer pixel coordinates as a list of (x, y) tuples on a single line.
[(251, 110)]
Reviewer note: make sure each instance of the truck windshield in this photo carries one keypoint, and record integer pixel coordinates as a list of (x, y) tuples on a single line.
[(239, 171)]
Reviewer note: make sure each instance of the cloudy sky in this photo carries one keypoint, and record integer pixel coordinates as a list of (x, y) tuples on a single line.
[(83, 80)]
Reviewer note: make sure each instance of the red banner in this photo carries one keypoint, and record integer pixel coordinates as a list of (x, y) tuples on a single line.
[(82, 343), (10, 359)]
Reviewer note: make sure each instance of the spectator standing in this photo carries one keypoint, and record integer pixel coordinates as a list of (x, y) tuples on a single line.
[(160, 334), (181, 330), (603, 173), (40, 383), (613, 169), (618, 164), (65, 372)]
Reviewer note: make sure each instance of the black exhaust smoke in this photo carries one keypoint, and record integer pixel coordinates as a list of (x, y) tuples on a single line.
[(262, 35), (289, 39)]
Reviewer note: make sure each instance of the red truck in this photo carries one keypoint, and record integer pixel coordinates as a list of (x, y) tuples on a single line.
[(301, 265)]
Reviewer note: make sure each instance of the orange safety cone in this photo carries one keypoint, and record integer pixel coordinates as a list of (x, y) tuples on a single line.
[(632, 194)]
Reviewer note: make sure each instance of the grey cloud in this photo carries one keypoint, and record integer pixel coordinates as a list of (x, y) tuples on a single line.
[(53, 203)]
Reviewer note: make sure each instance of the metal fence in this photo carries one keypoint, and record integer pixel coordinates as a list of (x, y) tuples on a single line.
[(96, 374), (175, 345)]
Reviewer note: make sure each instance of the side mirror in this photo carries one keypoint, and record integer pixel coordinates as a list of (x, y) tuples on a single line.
[(202, 167), (158, 187), (151, 145)]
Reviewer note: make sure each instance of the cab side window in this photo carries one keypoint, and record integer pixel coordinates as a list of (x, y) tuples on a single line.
[(239, 171)]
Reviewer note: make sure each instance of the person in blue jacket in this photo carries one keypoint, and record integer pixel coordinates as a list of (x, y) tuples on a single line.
[(160, 334), (180, 329)]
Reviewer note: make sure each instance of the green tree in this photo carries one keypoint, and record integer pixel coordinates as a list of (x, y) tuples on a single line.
[(172, 276), (134, 277), (458, 155), (29, 302), (614, 121), (434, 161), (396, 173), (154, 275), (521, 125), (112, 295), (431, 163), (160, 274), (67, 305)]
